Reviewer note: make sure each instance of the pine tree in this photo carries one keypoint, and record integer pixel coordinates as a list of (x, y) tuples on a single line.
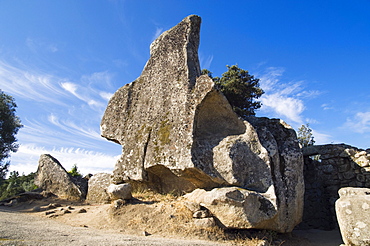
[(240, 88)]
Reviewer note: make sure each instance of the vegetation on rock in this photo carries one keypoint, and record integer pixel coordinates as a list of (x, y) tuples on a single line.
[(240, 88), (74, 171), (305, 137)]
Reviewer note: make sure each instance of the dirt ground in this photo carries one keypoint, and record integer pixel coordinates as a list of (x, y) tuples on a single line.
[(148, 220)]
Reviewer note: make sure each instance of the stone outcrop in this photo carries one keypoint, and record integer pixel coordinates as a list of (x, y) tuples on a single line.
[(353, 212), (52, 177), (179, 133), (98, 185), (327, 168)]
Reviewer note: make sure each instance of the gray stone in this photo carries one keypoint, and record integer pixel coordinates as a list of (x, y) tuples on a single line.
[(118, 203), (52, 177), (349, 175), (120, 191), (192, 206), (200, 214), (205, 222), (98, 185), (353, 213), (239, 208), (344, 168)]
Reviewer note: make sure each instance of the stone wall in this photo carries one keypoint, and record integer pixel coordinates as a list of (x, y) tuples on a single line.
[(327, 168)]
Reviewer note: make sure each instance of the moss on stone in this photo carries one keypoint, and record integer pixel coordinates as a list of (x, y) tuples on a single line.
[(164, 132)]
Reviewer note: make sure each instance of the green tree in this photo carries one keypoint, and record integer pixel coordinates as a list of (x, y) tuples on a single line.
[(9, 126), (16, 184), (240, 88), (305, 137), (74, 171)]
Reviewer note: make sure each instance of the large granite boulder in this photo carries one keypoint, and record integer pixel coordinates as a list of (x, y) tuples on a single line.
[(353, 213), (52, 177), (167, 114), (179, 131)]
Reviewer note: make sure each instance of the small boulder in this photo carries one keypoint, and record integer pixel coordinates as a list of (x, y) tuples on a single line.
[(201, 214), (118, 203), (205, 222), (353, 213), (120, 191), (98, 185)]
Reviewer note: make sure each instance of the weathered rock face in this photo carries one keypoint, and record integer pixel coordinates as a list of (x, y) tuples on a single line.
[(169, 112), (52, 177), (177, 130), (353, 212), (98, 185)]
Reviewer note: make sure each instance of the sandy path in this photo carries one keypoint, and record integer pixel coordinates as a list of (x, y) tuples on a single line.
[(26, 229)]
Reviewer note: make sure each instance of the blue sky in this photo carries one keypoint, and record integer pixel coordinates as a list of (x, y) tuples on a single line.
[(61, 60)]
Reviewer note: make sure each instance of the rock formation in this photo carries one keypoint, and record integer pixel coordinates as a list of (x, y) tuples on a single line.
[(178, 132), (52, 177), (353, 212)]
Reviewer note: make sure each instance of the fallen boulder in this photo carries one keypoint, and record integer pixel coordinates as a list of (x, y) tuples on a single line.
[(235, 207), (52, 177), (353, 213)]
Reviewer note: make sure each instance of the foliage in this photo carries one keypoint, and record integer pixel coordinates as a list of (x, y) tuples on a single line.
[(16, 184), (74, 171), (305, 137), (240, 88), (9, 126)]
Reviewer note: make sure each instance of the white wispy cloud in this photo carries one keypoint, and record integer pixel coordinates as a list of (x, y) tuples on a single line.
[(321, 138), (106, 95), (26, 159), (53, 132), (101, 80), (92, 89), (360, 122), (326, 106), (158, 32), (205, 61), (85, 94), (31, 85), (284, 105), (283, 99), (73, 128)]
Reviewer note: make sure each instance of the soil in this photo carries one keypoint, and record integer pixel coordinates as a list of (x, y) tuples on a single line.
[(146, 221)]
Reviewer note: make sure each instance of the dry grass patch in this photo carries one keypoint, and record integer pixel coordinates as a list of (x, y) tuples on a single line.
[(166, 215)]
